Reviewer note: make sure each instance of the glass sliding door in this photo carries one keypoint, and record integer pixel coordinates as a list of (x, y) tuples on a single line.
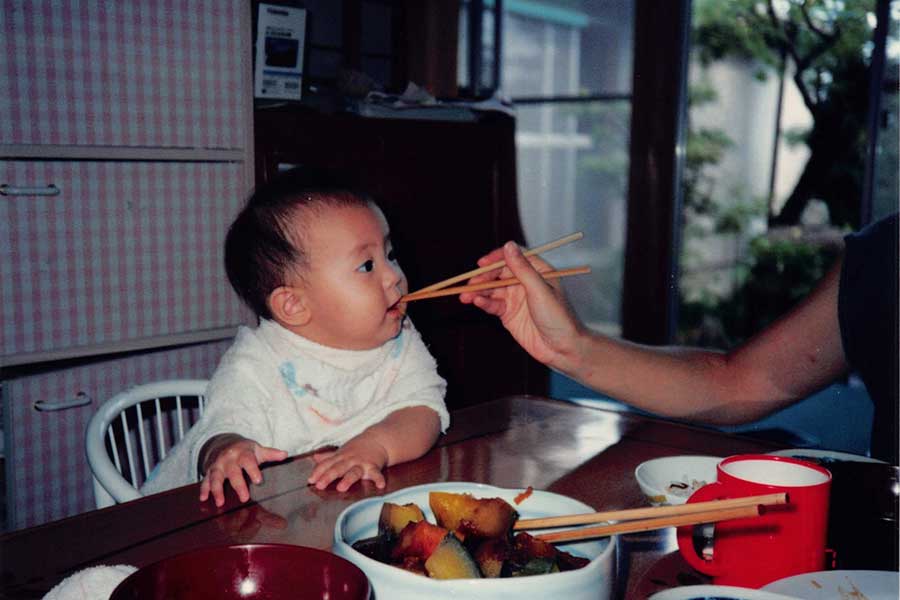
[(566, 65), (776, 156), (791, 144)]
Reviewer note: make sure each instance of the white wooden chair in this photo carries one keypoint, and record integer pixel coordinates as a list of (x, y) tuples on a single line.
[(131, 432)]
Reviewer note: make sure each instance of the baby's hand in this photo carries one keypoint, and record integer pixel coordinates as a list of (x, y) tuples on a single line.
[(230, 462), (360, 458)]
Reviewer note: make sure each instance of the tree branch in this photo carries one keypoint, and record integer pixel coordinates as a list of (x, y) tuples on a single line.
[(825, 42)]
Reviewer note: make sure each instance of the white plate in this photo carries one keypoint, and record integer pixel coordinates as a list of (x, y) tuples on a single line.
[(655, 476), (800, 453), (716, 592), (825, 585)]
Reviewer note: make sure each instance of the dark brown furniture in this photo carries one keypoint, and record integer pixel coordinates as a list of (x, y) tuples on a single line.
[(449, 192), (513, 442)]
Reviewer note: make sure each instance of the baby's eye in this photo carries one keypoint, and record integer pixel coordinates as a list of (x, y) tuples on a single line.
[(392, 255), (366, 267)]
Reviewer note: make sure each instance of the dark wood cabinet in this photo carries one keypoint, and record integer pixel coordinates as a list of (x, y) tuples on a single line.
[(449, 192)]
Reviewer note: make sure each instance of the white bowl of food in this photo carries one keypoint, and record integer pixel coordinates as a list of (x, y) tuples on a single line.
[(672, 479), (359, 524)]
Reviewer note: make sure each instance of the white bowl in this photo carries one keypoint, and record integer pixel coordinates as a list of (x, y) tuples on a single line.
[(594, 581), (661, 478)]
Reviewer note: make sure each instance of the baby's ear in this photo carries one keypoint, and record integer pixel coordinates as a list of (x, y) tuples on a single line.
[(289, 307)]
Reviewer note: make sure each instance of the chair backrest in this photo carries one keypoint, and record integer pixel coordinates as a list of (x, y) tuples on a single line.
[(132, 431)]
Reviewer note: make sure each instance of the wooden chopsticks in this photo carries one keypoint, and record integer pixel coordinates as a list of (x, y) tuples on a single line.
[(647, 519), (710, 516), (651, 512), (489, 285), (422, 294)]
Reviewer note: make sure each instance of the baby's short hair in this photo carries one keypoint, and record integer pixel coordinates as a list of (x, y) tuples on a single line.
[(260, 249)]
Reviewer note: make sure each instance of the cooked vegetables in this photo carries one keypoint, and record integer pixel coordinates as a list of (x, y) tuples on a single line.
[(473, 538), (450, 560), (394, 517), (465, 515)]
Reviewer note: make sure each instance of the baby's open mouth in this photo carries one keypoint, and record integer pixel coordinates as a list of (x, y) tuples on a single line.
[(396, 306)]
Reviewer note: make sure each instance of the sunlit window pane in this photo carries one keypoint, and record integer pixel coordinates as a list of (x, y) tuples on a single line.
[(573, 156)]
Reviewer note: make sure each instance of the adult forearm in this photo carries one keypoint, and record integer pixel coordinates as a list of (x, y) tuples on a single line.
[(677, 382)]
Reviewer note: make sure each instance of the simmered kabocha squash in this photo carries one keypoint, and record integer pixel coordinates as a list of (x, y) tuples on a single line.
[(467, 516), (391, 521), (450, 560), (473, 538), (394, 517)]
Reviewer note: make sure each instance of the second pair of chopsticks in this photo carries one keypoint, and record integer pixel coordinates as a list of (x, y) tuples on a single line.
[(648, 519), (441, 288)]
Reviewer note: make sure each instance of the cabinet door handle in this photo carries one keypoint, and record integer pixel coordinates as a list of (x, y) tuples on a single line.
[(24, 190), (80, 399)]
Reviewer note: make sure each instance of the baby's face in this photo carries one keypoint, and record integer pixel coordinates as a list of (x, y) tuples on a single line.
[(353, 282)]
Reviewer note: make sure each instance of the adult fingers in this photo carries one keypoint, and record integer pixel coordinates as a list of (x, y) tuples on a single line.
[(492, 306), (521, 267), (491, 257)]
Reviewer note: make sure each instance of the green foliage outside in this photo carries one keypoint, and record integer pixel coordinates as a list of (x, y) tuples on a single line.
[(828, 41)]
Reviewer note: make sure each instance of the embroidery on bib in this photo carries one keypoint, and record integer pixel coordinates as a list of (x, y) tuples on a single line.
[(289, 376)]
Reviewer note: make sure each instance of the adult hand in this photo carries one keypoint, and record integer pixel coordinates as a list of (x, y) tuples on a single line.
[(229, 462), (360, 458), (535, 313)]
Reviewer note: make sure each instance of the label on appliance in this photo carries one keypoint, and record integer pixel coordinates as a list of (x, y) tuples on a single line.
[(280, 36)]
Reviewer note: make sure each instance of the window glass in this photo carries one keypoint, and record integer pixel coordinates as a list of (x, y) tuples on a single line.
[(776, 145), (573, 156), (886, 191)]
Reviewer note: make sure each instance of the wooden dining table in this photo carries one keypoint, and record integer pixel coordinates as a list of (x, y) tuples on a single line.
[(580, 451)]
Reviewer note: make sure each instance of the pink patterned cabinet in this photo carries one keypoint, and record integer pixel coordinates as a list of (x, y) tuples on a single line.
[(126, 251), (47, 472), (125, 150), (148, 74)]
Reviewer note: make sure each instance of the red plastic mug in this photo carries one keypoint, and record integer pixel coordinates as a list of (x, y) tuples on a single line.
[(786, 540)]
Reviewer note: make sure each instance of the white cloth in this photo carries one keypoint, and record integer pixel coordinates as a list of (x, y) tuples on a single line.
[(284, 391), (93, 583)]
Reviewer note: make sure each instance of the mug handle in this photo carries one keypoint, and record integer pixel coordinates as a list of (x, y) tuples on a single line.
[(710, 491)]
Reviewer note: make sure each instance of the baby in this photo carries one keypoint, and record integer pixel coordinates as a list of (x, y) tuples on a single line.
[(334, 360)]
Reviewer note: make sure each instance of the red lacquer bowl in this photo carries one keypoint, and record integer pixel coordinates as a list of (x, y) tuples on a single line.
[(246, 572)]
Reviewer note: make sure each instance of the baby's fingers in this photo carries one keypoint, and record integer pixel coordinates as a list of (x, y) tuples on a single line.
[(319, 476), (204, 489), (213, 483), (238, 483), (249, 464), (350, 477), (265, 454), (374, 475), (362, 471), (322, 455)]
